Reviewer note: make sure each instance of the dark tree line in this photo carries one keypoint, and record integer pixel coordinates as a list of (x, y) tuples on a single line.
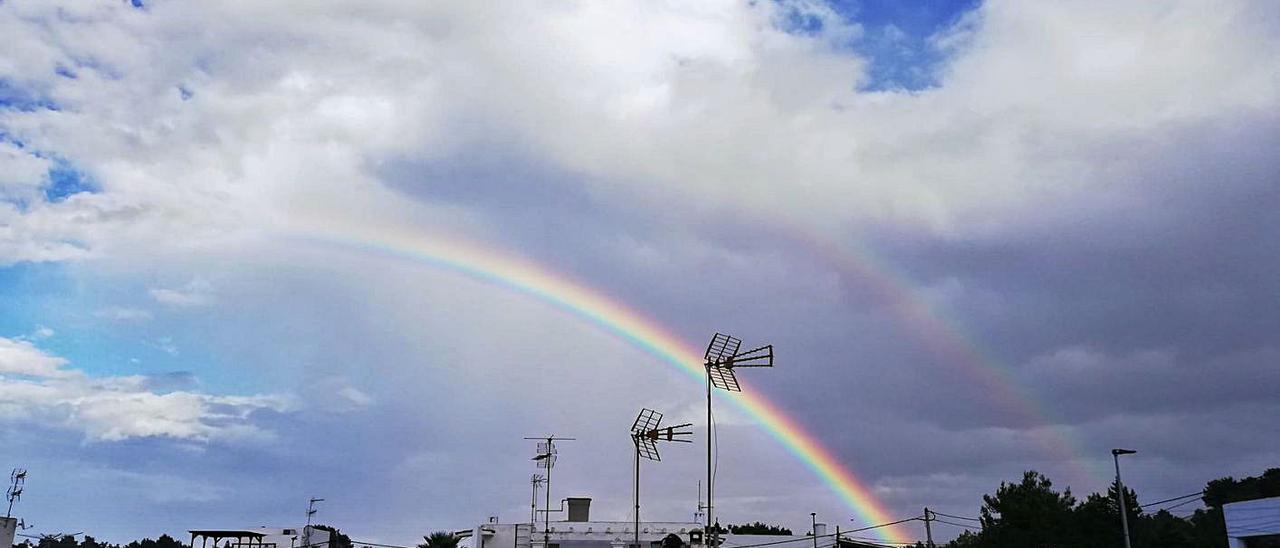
[(336, 540), (753, 528), (68, 541), (1032, 514)]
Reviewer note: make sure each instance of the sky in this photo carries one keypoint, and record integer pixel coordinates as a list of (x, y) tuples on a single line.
[(253, 253)]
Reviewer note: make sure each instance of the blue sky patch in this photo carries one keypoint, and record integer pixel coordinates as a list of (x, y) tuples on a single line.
[(65, 180), (13, 97), (896, 39)]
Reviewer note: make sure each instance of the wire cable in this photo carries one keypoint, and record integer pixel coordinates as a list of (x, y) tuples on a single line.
[(1159, 502), (969, 527), (1185, 502), (954, 517)]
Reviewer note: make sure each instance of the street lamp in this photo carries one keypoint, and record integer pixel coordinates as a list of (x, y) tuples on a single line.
[(814, 516), (1124, 514)]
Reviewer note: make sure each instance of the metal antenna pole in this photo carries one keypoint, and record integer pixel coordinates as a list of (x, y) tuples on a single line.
[(722, 357), (533, 503), (710, 535), (636, 440), (546, 517), (17, 478), (546, 458), (646, 434), (311, 511)]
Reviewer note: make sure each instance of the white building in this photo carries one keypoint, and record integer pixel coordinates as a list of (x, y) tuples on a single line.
[(8, 526), (1253, 523), (260, 537), (579, 531)]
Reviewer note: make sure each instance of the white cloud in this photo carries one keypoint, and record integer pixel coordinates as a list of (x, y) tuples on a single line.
[(695, 104), (119, 407), (194, 294), (20, 357), (123, 314)]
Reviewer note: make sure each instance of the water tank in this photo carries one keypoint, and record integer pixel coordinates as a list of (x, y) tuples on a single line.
[(579, 509)]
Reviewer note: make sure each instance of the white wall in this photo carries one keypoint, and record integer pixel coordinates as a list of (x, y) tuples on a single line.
[(8, 526), (1250, 519)]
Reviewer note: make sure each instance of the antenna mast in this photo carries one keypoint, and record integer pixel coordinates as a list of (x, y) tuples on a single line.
[(546, 458), (311, 511), (536, 480), (721, 357), (646, 435), (17, 478), (697, 514)]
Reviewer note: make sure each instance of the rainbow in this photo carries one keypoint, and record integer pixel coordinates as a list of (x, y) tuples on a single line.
[(947, 339), (623, 322)]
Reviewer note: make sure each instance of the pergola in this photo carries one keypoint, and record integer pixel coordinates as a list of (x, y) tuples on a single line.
[(254, 538)]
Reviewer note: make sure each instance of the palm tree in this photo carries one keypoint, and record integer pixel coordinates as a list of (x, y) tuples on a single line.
[(440, 539)]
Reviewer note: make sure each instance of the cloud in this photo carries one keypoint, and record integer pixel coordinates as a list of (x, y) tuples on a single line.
[(119, 407), (1083, 193), (194, 294), (123, 314), (21, 357)]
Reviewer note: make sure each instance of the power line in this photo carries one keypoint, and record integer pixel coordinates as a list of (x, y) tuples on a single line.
[(1185, 502), (955, 524), (1159, 502), (954, 517), (881, 525)]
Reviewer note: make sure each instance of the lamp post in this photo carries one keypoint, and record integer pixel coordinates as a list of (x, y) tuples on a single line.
[(1124, 514), (814, 517)]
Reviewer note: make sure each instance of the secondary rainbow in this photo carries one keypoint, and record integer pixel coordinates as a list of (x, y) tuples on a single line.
[(947, 339), (629, 325)]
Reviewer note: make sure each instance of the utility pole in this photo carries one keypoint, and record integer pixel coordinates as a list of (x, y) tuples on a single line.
[(928, 529), (1124, 514)]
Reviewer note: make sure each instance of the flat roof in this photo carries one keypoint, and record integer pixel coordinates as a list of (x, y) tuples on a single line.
[(225, 533)]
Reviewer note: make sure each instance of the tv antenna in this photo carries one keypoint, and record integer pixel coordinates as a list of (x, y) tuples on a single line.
[(17, 478), (537, 481), (646, 434), (697, 514), (311, 511), (546, 458), (722, 357)]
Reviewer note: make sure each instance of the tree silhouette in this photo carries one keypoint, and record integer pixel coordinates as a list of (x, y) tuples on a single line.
[(1027, 514), (439, 539)]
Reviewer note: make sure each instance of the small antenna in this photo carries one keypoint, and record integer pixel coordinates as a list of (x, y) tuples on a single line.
[(537, 481), (546, 458), (311, 511), (697, 514), (17, 478), (646, 434)]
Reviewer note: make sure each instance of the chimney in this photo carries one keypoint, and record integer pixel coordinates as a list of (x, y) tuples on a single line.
[(579, 509)]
